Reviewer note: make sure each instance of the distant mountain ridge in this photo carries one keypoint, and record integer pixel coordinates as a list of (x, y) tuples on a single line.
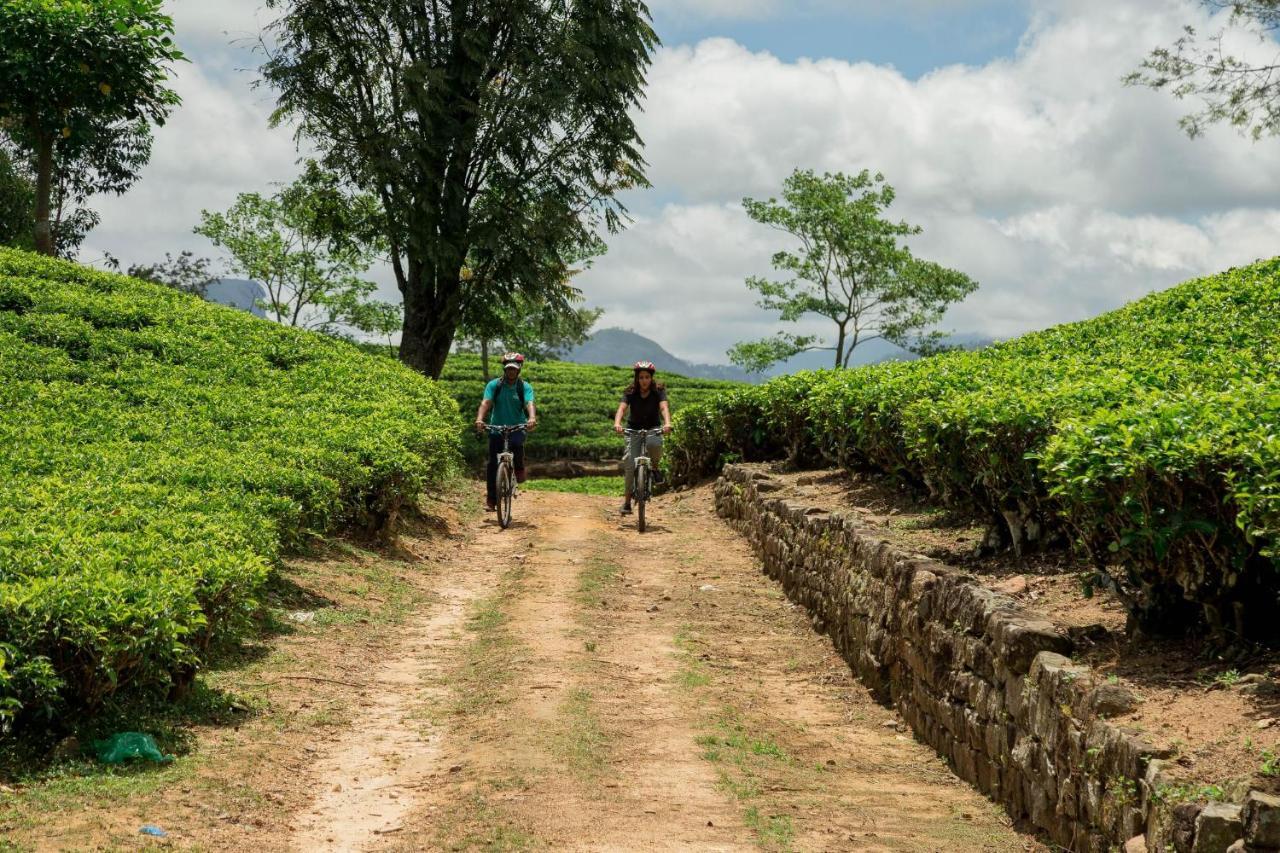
[(623, 347), (617, 346)]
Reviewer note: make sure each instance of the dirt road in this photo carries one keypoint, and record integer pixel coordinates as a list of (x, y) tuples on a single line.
[(582, 687), (567, 684)]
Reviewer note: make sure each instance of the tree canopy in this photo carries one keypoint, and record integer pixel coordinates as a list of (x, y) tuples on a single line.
[(81, 82), (310, 245), (495, 133), (849, 266), (1241, 91)]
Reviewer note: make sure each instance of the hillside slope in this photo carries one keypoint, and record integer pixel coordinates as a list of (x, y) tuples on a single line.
[(1147, 435), (159, 453)]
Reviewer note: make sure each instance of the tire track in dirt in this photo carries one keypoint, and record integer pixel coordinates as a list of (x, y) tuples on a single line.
[(607, 690), (817, 763), (588, 750), (369, 778)]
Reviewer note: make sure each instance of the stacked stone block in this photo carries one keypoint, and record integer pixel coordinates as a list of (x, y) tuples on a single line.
[(988, 685)]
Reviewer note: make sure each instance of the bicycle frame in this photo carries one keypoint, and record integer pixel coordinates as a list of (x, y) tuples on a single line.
[(644, 477), (506, 473)]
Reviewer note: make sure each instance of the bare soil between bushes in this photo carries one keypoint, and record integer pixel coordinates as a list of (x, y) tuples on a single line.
[(564, 684)]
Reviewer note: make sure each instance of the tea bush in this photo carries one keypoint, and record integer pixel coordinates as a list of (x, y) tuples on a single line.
[(159, 454), (1148, 435)]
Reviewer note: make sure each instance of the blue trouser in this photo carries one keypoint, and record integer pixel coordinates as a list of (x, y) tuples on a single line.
[(495, 447)]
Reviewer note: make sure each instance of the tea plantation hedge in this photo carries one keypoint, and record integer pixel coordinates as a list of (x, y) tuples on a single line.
[(576, 403), (159, 455), (1150, 436)]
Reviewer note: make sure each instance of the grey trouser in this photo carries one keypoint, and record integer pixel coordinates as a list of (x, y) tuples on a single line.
[(652, 449)]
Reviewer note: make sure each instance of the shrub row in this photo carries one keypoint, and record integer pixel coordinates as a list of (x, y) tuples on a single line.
[(159, 454), (1148, 435)]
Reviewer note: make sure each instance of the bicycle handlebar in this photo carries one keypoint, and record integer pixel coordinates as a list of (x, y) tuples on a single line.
[(645, 432), (501, 429)]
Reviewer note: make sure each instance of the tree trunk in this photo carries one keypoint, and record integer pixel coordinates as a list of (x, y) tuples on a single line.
[(431, 315), (44, 190), (841, 359), (484, 358)]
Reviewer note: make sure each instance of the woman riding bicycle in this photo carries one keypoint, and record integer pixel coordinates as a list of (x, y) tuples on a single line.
[(510, 399), (647, 400)]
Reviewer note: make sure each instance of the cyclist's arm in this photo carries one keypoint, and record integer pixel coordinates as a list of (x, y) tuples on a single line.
[(483, 411), (533, 414), (666, 415), (617, 416)]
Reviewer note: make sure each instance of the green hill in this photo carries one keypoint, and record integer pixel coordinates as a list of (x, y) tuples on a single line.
[(576, 404), (159, 455), (1147, 435)]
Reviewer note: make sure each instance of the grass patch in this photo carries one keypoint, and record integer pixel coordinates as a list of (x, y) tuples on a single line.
[(578, 486), (600, 573), (581, 742), (692, 673), (745, 759), (483, 826), (482, 680)]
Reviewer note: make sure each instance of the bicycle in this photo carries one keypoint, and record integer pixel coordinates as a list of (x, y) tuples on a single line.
[(506, 476), (641, 483)]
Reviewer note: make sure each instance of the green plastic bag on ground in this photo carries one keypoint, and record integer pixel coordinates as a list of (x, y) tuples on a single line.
[(125, 745)]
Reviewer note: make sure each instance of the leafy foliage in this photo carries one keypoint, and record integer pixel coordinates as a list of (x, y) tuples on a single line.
[(80, 85), (309, 244), (850, 267), (494, 133), (1237, 90), (186, 272), (1148, 435), (160, 453)]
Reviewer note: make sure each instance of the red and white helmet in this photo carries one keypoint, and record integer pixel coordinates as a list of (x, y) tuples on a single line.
[(644, 365), (513, 359)]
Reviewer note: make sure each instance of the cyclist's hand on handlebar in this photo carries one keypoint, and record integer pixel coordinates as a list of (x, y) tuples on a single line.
[(531, 424), (480, 425), (618, 429), (666, 429)]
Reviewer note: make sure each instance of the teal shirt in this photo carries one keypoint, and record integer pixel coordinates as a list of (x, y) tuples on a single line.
[(507, 410)]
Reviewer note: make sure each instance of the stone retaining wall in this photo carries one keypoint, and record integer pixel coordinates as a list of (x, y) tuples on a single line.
[(986, 684)]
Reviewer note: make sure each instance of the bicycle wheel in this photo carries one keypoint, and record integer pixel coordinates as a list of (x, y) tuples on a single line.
[(505, 490), (642, 495)]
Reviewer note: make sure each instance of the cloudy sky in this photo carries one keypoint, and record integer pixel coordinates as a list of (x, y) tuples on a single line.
[(1002, 124)]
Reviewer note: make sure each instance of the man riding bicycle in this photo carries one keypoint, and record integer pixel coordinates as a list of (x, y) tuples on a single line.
[(510, 399), (647, 400)]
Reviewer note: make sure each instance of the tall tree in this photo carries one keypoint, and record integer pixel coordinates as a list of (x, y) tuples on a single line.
[(186, 273), (1241, 91), (310, 245), (851, 267), (495, 133), (81, 81)]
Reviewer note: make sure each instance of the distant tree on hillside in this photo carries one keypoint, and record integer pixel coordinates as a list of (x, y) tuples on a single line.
[(310, 245), (540, 326), (1237, 90), (494, 133), (850, 267), (81, 83), (186, 272)]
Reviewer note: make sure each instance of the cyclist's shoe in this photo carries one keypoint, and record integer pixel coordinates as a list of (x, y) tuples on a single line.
[(625, 509), (490, 506), (658, 479), (521, 476)]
